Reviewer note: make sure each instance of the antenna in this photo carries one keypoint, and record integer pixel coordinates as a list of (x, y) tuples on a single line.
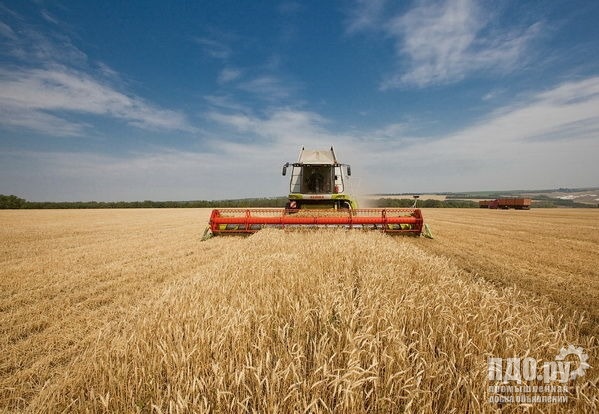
[(416, 197)]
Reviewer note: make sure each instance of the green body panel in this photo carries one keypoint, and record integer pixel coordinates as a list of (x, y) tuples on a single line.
[(324, 203)]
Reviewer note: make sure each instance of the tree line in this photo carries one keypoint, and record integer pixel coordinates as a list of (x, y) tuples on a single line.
[(428, 203), (14, 202)]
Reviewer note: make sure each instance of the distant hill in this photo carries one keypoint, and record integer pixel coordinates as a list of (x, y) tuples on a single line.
[(558, 197)]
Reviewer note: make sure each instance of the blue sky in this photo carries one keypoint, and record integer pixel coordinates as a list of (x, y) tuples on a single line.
[(206, 100)]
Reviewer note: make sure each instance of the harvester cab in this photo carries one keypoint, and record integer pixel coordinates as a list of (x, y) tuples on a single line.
[(319, 197), (319, 181)]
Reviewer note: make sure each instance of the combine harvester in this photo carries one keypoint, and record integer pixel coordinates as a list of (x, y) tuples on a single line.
[(319, 198)]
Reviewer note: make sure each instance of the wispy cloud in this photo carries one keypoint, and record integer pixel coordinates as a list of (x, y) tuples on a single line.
[(73, 176), (397, 133), (365, 15), (568, 112), (522, 142), (548, 139), (228, 74), (40, 95), (16, 117), (225, 102), (49, 17), (283, 126), (107, 71), (439, 42), (32, 47), (214, 48), (492, 94), (268, 87), (50, 80), (6, 31)]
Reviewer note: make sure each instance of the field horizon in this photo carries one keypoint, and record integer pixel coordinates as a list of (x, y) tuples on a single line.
[(576, 194)]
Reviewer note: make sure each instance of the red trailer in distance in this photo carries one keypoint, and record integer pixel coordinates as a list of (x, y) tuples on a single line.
[(506, 203)]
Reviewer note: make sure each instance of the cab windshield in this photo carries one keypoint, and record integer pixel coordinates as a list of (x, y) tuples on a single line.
[(317, 179)]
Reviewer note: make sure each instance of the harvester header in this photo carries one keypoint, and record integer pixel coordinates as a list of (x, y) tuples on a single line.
[(319, 197)]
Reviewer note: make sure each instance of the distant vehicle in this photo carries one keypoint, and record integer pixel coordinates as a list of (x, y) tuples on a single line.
[(506, 203)]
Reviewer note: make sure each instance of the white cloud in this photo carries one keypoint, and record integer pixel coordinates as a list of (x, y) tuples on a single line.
[(391, 131), (240, 122), (549, 140), (108, 72), (568, 112), (6, 31), (438, 42), (225, 102), (51, 79), (27, 43), (267, 87), (33, 120), (228, 75), (572, 92), (492, 94), (282, 126), (366, 14), (34, 48), (444, 43), (162, 174), (214, 48), (49, 17), (38, 95)]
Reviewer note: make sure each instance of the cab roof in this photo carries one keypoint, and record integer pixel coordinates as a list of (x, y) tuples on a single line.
[(317, 157)]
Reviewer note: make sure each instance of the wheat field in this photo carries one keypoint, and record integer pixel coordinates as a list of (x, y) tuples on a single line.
[(127, 311)]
